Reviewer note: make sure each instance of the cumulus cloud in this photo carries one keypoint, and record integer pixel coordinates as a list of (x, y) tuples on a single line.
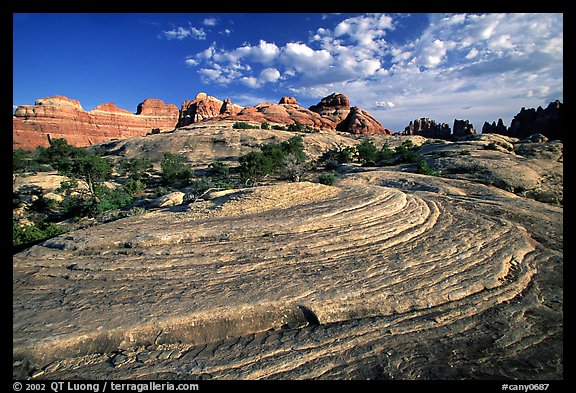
[(482, 61)]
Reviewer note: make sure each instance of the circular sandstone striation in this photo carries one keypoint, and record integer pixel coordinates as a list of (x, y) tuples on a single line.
[(298, 254)]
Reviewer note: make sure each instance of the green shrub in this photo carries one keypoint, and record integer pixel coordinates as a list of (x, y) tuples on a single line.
[(491, 146), (422, 168), (334, 157), (367, 152), (265, 125), (327, 178), (271, 157), (135, 168), (175, 170), (243, 125), (407, 152), (279, 128), (218, 170), (29, 234), (255, 164)]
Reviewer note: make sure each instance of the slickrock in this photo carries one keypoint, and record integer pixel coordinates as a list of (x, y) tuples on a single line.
[(61, 117), (387, 275)]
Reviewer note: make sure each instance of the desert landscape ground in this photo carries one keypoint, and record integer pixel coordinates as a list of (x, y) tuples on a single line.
[(385, 274)]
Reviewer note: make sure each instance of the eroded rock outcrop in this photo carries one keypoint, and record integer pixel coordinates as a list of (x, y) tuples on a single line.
[(62, 117), (547, 122), (288, 101), (283, 114), (427, 128), (205, 107), (463, 128)]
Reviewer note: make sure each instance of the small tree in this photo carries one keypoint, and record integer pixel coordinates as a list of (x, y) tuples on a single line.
[(174, 169), (367, 151)]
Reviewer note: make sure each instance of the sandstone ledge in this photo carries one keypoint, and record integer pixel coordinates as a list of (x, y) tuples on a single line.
[(351, 278)]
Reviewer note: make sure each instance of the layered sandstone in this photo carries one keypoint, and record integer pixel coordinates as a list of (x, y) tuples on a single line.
[(283, 114), (331, 113), (61, 117), (205, 107)]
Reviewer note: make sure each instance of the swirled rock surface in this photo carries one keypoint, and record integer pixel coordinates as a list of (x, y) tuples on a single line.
[(387, 275), (61, 117)]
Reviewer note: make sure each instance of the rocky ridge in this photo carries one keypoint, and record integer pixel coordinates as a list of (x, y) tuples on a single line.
[(61, 117)]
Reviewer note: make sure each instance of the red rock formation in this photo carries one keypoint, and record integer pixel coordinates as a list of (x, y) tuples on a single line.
[(288, 101), (360, 121), (61, 117), (336, 107), (283, 114), (332, 113), (205, 107)]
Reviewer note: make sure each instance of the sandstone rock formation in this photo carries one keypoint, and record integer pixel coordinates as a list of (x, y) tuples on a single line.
[(204, 107), (390, 275), (336, 107), (360, 121), (288, 101), (463, 128), (428, 128), (283, 114), (547, 122), (494, 128), (61, 117)]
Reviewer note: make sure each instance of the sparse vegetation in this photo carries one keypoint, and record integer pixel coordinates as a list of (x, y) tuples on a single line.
[(175, 170), (242, 125), (423, 168), (272, 157), (327, 178)]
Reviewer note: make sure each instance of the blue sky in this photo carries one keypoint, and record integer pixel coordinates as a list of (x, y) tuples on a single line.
[(399, 67)]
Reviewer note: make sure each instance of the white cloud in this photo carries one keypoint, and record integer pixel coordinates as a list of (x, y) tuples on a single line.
[(492, 63), (250, 81), (269, 75), (181, 33), (210, 22), (304, 59)]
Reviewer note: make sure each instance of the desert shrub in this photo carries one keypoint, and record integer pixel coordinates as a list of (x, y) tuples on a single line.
[(334, 157), (265, 125), (27, 161), (385, 154), (327, 178), (278, 128), (175, 170), (465, 152), (295, 146), (293, 168), (299, 127), (135, 168), (134, 187), (407, 152), (271, 157), (423, 168), (110, 199), (218, 170), (255, 164), (243, 125), (491, 146), (29, 234), (367, 152)]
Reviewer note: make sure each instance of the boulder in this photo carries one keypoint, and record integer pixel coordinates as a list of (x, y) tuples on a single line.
[(172, 199)]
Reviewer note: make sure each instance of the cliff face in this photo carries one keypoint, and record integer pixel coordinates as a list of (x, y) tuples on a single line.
[(61, 117)]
